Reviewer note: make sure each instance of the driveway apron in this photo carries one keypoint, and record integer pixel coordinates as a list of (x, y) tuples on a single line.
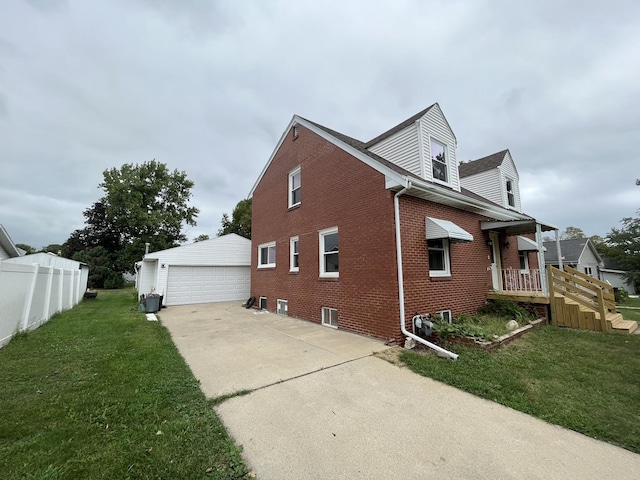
[(323, 407)]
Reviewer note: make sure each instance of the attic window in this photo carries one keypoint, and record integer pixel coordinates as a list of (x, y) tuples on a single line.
[(438, 161), (511, 199)]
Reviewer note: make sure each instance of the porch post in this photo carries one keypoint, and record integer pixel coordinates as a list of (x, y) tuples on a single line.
[(559, 251), (541, 266)]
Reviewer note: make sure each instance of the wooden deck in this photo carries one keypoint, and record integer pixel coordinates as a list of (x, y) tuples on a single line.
[(520, 296)]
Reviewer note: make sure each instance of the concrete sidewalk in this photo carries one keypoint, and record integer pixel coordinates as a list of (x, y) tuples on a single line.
[(361, 417)]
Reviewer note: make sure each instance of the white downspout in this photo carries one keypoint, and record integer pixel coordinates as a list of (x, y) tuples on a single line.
[(403, 328)]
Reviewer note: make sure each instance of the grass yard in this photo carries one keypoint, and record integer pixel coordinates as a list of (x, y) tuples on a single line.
[(631, 302), (98, 392), (629, 313), (585, 381)]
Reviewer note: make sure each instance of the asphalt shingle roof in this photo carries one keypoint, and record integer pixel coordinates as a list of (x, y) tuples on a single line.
[(398, 127), (571, 250), (481, 164)]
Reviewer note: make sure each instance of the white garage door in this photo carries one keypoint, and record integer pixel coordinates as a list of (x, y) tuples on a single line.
[(207, 284)]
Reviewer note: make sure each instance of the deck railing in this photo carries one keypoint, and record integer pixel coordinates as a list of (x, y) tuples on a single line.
[(516, 280)]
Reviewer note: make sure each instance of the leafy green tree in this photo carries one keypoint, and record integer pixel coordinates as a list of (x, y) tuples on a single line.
[(27, 248), (144, 203), (52, 248), (103, 270), (240, 221), (572, 233), (623, 245), (201, 237)]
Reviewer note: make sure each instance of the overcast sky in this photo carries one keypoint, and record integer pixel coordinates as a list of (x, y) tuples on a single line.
[(209, 86)]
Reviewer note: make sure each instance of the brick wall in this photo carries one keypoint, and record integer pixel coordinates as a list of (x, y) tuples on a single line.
[(336, 190)]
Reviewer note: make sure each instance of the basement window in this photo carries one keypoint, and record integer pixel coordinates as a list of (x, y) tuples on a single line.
[(330, 317), (263, 303), (283, 307), (445, 315)]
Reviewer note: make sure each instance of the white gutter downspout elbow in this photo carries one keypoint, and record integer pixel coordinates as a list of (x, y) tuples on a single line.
[(403, 328)]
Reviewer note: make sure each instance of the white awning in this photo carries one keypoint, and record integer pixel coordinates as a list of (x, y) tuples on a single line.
[(527, 245), (437, 228)]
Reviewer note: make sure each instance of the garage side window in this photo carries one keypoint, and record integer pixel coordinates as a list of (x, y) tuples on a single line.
[(267, 255)]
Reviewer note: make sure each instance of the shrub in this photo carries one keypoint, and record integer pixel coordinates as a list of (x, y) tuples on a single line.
[(507, 309), (622, 296)]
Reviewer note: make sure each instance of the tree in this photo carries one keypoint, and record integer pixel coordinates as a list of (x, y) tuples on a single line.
[(27, 248), (623, 245), (201, 237), (240, 222), (144, 203), (572, 233), (52, 248)]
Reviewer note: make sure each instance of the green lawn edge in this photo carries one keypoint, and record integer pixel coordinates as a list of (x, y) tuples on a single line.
[(99, 392), (585, 381)]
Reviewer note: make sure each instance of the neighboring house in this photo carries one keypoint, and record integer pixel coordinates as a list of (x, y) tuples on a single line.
[(364, 235), (613, 273), (208, 271), (579, 253), (7, 248)]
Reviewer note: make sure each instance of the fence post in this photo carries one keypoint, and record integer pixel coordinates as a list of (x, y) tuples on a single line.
[(72, 282), (47, 298), (60, 289), (552, 296), (603, 311), (29, 299)]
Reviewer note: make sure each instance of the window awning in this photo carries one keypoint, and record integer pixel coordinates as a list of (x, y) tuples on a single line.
[(438, 228), (527, 245)]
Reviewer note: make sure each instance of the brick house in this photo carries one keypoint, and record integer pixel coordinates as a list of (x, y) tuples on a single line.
[(325, 237)]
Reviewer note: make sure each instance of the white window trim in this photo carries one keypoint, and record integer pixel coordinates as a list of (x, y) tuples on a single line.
[(321, 235), (286, 307), (327, 310), (292, 173), (260, 303), (445, 315), (447, 161), (513, 192), (526, 261), (291, 254), (447, 260), (267, 246)]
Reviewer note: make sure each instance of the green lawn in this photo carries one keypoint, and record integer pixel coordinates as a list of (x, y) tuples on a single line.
[(99, 392), (629, 313), (585, 381), (631, 302)]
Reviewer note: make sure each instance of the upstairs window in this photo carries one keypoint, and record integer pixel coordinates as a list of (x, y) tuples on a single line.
[(439, 161), (439, 264), (293, 252), (511, 199), (294, 188), (267, 255), (329, 252)]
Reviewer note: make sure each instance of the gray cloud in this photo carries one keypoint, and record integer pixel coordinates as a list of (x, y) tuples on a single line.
[(208, 86)]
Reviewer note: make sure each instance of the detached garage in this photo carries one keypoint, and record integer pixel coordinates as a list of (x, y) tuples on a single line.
[(215, 270)]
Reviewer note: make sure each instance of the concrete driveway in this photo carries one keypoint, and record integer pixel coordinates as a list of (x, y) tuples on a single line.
[(323, 407)]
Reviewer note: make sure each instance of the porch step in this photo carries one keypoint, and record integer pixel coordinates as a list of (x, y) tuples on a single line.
[(620, 325)]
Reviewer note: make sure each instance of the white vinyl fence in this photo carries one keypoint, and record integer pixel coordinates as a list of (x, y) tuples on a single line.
[(31, 294)]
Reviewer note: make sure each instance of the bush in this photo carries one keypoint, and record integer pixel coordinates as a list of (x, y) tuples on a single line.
[(507, 309), (622, 296)]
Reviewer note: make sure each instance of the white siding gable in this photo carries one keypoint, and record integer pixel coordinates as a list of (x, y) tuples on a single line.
[(486, 184), (434, 125), (403, 149), (508, 172), (410, 148), (588, 259)]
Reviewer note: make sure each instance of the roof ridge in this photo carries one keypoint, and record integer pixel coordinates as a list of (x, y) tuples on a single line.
[(402, 125)]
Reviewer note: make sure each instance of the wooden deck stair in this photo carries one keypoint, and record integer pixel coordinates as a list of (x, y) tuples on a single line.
[(579, 301)]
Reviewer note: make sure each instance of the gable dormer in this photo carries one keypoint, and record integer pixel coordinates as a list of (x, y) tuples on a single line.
[(494, 177), (424, 145)]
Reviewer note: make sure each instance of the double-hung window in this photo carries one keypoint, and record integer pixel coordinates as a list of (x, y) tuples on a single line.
[(329, 252), (511, 199), (439, 263), (439, 161), (293, 254), (267, 255), (294, 188)]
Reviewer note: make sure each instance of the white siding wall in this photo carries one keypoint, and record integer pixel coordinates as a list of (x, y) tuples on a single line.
[(402, 149), (588, 259), (617, 281), (433, 124), (486, 184), (147, 276), (508, 170), (226, 251)]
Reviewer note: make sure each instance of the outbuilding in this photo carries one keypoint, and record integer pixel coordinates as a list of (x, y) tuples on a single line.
[(215, 270)]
